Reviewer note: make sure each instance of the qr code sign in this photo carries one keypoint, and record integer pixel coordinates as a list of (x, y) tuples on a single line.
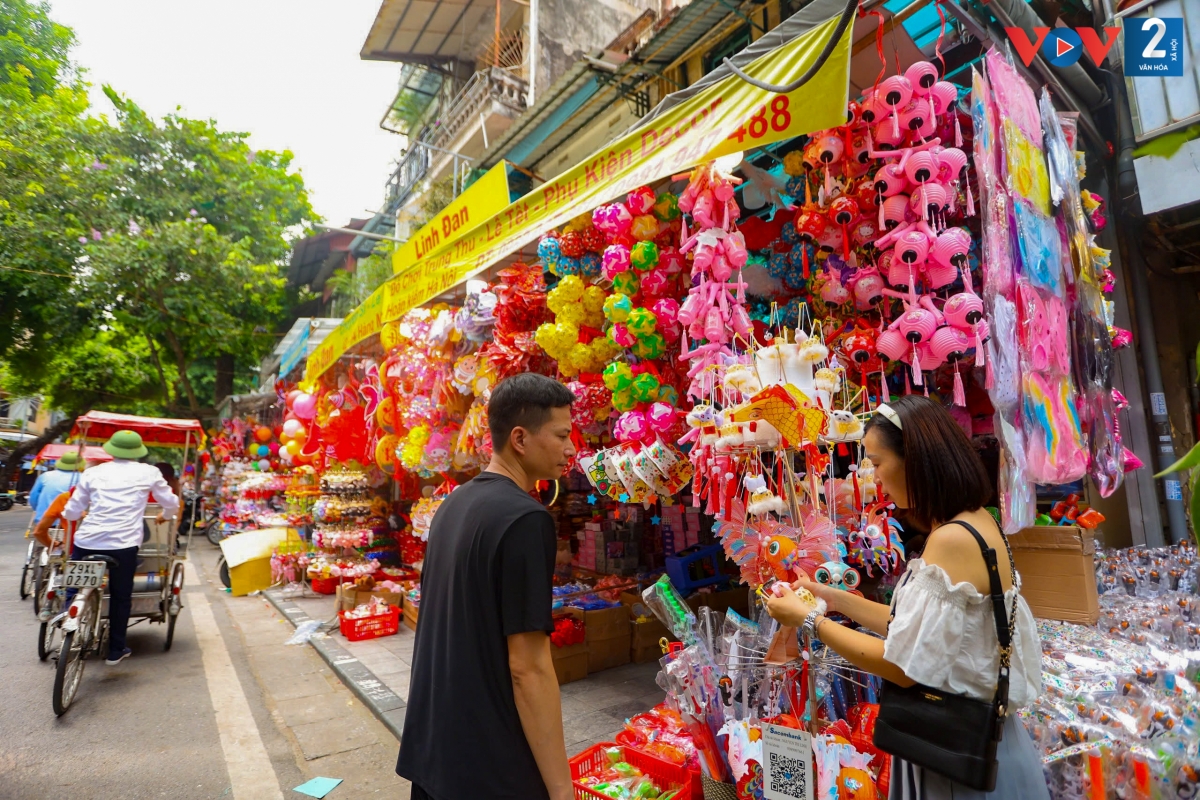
[(788, 776)]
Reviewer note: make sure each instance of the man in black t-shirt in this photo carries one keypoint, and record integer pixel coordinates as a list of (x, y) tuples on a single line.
[(484, 715)]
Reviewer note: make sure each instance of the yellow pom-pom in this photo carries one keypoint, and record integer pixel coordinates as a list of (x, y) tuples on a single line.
[(571, 287), (593, 298)]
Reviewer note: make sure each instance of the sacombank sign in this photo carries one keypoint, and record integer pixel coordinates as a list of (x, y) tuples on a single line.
[(1062, 47)]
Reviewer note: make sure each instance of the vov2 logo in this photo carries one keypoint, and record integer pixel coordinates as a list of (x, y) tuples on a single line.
[(1062, 47), (1153, 45)]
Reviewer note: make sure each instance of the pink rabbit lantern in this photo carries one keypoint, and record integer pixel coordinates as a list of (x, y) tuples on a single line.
[(912, 247), (921, 167), (951, 248), (921, 76), (930, 199), (893, 212), (916, 324), (963, 310), (938, 275), (944, 95), (891, 180), (887, 135), (892, 345), (918, 117), (948, 344), (899, 274), (896, 92)]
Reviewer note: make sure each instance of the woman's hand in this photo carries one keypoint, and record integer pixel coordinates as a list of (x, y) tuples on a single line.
[(788, 609), (821, 591)]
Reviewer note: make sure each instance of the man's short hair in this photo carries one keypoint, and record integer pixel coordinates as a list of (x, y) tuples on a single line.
[(524, 401)]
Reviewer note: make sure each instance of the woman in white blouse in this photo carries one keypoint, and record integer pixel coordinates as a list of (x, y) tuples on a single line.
[(943, 634)]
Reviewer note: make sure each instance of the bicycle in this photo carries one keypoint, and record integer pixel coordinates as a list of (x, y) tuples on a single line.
[(84, 627), (29, 569)]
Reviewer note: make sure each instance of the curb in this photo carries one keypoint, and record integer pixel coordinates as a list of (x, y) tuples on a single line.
[(387, 706)]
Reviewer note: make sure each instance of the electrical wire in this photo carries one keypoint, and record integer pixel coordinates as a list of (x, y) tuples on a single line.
[(843, 22)]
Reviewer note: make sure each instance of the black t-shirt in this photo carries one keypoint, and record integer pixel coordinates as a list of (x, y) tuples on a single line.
[(487, 575)]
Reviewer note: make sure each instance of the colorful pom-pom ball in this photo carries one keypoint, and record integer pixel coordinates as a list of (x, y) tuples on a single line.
[(671, 260), (650, 347), (614, 261), (623, 400), (641, 322), (617, 307), (571, 288), (660, 416), (594, 240), (668, 395), (666, 207), (645, 388), (549, 252), (589, 263), (570, 244), (794, 188), (641, 201), (666, 310), (644, 228), (618, 376), (631, 427), (644, 256), (656, 282), (594, 298), (626, 283), (569, 266), (621, 336)]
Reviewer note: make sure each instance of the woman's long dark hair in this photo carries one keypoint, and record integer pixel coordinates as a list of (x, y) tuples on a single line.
[(944, 473)]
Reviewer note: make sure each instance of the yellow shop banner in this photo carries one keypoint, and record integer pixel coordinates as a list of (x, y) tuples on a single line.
[(727, 117), (481, 201)]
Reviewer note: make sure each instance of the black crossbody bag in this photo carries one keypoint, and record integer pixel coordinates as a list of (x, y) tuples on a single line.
[(951, 734)]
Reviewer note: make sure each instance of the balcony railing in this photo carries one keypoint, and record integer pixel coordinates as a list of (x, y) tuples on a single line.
[(481, 95)]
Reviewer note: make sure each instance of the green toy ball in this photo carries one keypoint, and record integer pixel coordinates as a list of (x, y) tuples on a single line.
[(645, 388), (623, 400), (618, 376), (667, 207), (650, 347), (641, 322), (626, 283), (617, 307), (644, 256)]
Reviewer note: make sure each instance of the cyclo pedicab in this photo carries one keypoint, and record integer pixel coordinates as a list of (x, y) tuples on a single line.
[(37, 558), (158, 583)]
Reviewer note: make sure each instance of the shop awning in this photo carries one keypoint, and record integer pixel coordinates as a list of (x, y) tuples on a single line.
[(709, 124), (98, 426), (53, 452), (427, 32)]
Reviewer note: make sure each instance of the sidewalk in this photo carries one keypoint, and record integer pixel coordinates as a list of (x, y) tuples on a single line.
[(377, 671)]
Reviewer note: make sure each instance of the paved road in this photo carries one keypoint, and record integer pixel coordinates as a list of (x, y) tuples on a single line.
[(146, 728)]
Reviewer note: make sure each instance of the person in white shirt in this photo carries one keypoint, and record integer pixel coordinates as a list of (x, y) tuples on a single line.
[(114, 495)]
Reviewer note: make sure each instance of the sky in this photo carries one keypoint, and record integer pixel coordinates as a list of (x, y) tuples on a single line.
[(285, 71)]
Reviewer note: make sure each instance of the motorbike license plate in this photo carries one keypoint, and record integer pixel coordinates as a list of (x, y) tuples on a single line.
[(84, 574)]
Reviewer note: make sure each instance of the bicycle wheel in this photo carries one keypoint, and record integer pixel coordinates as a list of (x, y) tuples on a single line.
[(213, 532), (72, 655), (27, 573), (48, 633), (39, 573)]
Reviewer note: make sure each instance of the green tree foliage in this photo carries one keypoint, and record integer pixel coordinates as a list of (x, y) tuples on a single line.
[(33, 50), (184, 284)]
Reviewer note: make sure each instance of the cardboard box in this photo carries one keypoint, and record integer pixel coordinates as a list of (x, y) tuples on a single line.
[(646, 653), (605, 654), (737, 598), (1058, 572), (410, 615), (606, 623), (570, 662)]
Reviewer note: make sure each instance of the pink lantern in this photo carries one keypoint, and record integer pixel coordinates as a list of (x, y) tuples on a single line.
[(660, 416), (631, 427)]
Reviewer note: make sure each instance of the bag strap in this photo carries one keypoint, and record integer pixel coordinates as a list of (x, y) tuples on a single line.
[(1005, 622)]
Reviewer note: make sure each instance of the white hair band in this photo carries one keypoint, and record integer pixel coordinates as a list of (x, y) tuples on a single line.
[(889, 414)]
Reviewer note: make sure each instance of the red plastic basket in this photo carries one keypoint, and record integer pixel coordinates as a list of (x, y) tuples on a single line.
[(326, 585), (594, 759), (356, 629)]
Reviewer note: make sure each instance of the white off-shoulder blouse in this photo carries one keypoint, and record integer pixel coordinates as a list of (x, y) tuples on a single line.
[(943, 635)]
